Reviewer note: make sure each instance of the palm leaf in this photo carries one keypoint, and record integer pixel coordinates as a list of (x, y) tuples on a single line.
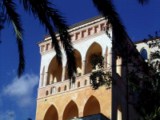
[(14, 18), (65, 38), (143, 1), (38, 8), (119, 35), (52, 20)]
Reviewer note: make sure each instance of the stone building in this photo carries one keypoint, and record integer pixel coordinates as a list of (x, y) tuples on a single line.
[(150, 50), (58, 99)]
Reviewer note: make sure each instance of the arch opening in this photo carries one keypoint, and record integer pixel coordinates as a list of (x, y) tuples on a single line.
[(94, 49), (54, 72), (71, 111), (143, 53), (92, 106), (51, 114), (78, 60)]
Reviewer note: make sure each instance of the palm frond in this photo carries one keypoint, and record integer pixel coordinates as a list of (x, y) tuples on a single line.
[(39, 9), (143, 1), (106, 8), (65, 38), (51, 19), (2, 15), (14, 18)]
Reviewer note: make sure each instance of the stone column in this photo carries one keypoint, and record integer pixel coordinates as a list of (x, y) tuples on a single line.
[(63, 73), (45, 79), (109, 59), (105, 60), (119, 66), (41, 80), (83, 67), (51, 79)]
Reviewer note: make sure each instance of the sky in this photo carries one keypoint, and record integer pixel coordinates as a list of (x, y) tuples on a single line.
[(18, 96)]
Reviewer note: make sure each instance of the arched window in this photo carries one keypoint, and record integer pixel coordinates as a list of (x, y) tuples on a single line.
[(78, 84), (91, 107), (85, 82), (143, 53), (59, 89), (65, 88), (54, 72), (94, 49), (53, 90), (47, 92), (51, 114), (71, 111)]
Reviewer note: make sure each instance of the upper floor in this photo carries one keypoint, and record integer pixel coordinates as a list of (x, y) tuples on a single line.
[(88, 38), (147, 47)]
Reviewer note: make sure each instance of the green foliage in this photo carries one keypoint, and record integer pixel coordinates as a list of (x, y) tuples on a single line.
[(99, 76), (155, 55), (96, 60), (144, 86), (50, 18)]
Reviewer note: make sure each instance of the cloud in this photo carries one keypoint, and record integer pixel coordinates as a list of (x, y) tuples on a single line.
[(22, 89), (9, 115)]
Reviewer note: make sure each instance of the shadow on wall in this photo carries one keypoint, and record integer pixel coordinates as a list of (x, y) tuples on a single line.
[(98, 116)]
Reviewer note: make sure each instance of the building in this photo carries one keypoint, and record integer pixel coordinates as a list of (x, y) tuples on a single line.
[(58, 99), (150, 51)]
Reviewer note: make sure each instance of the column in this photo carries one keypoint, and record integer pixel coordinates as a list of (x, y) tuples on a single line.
[(83, 67), (105, 60), (41, 80), (109, 58), (45, 79), (119, 66), (51, 79), (63, 74)]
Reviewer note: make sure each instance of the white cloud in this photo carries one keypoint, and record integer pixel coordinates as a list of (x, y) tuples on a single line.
[(22, 89), (9, 115)]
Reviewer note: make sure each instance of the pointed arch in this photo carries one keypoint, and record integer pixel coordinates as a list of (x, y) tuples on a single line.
[(51, 113), (144, 53), (54, 72), (91, 107), (71, 111), (95, 48), (78, 59)]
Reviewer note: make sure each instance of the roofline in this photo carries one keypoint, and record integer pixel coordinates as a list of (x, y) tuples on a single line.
[(146, 40), (76, 25), (85, 21)]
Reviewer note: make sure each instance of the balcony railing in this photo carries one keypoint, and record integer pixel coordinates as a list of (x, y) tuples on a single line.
[(66, 85), (63, 86)]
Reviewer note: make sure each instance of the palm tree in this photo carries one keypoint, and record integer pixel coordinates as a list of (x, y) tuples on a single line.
[(50, 18), (53, 21), (143, 1), (119, 40)]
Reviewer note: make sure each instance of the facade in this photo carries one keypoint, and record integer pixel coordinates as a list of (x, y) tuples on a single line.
[(150, 51), (58, 99)]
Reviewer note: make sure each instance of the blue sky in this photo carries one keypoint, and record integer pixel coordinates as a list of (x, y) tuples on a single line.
[(18, 96)]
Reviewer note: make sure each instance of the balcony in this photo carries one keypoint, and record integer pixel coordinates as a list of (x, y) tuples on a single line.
[(64, 86), (93, 117)]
